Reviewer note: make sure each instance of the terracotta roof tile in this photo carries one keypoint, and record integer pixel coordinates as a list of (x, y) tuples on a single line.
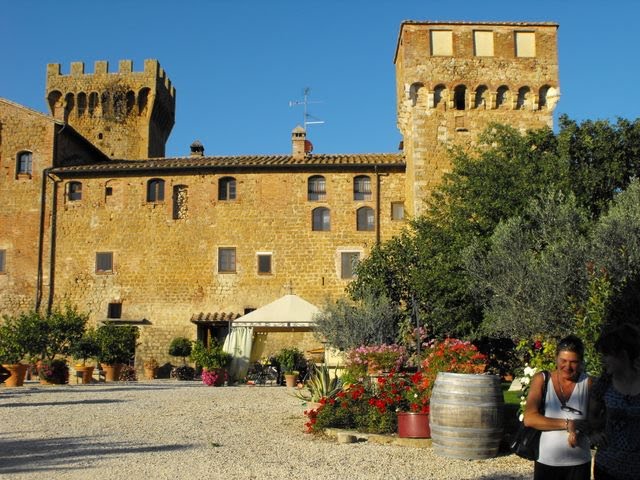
[(239, 162)]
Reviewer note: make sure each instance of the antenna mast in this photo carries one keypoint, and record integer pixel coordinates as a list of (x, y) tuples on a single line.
[(307, 119)]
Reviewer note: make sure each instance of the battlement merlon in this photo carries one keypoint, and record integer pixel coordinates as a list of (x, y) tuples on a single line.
[(125, 67)]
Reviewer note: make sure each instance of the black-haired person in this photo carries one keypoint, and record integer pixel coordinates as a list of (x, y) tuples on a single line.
[(614, 410), (564, 450)]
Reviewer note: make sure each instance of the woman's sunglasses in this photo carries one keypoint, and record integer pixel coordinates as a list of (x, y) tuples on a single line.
[(567, 408)]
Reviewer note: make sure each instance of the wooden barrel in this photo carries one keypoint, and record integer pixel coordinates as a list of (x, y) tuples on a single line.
[(466, 415)]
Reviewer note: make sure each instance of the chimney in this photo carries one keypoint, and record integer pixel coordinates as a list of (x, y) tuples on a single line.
[(298, 139), (197, 149)]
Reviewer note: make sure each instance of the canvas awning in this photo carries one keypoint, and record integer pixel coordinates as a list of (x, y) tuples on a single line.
[(287, 311)]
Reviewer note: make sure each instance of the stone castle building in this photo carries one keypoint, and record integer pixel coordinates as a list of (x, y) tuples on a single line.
[(94, 214)]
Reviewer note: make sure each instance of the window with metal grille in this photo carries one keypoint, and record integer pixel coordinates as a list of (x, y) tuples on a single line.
[(25, 163), (362, 187), (365, 219), (114, 310), (226, 260), (321, 219), (316, 188), (155, 190), (104, 262), (74, 191), (348, 261), (264, 263), (227, 188)]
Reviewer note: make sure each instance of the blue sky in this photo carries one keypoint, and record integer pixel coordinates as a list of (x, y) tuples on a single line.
[(237, 64)]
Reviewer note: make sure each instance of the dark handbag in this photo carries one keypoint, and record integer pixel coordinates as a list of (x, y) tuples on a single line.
[(526, 441)]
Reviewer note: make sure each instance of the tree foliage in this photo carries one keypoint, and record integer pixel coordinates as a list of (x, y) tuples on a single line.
[(345, 324)]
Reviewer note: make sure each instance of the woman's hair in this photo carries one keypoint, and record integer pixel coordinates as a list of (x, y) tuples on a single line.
[(571, 343), (622, 338)]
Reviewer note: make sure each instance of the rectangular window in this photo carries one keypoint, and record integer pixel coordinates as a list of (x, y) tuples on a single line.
[(397, 210), (264, 263), (441, 43), (3, 256), (227, 260), (349, 260), (114, 310), (483, 43), (525, 44), (104, 262)]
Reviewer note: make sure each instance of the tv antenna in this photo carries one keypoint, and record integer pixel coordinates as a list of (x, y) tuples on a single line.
[(307, 118)]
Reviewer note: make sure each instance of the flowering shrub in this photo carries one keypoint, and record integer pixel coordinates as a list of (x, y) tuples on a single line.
[(54, 371), (537, 355), (183, 372), (450, 355), (128, 374), (383, 357), (214, 377)]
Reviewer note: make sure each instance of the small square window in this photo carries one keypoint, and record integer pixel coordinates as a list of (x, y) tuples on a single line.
[(114, 310), (441, 43), (348, 261), (104, 262), (3, 255), (525, 44), (483, 43), (397, 210), (108, 191), (227, 260), (264, 263)]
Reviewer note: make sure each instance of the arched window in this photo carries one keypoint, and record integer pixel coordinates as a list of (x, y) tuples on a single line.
[(524, 95), (74, 191), (502, 97), (460, 97), (321, 221), (439, 95), (143, 97), (415, 93), (362, 187), (542, 97), (131, 101), (155, 190), (25, 163), (82, 103), (93, 102), (366, 219), (227, 188), (105, 101), (316, 188), (481, 100), (69, 103)]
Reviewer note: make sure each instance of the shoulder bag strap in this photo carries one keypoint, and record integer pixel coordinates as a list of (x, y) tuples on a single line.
[(545, 375)]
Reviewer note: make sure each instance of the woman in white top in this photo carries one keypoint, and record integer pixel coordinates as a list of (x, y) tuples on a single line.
[(564, 450)]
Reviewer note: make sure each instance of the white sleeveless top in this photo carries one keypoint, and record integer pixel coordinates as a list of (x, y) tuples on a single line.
[(554, 446)]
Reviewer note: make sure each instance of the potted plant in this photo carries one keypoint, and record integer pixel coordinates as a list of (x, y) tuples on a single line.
[(289, 359), (151, 368), (182, 347), (413, 408), (14, 342), (83, 349), (54, 371), (117, 347), (213, 360)]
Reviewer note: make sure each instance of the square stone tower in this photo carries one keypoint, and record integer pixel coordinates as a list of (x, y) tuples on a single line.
[(455, 78), (127, 114)]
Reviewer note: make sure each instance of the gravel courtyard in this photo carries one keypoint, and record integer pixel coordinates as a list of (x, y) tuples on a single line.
[(167, 429)]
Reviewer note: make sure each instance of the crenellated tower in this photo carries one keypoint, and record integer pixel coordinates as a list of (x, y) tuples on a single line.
[(127, 114), (454, 78)]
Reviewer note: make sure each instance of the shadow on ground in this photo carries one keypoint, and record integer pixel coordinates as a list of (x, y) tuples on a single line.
[(65, 453), (55, 404)]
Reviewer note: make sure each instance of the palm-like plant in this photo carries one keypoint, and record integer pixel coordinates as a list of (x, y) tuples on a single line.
[(320, 384)]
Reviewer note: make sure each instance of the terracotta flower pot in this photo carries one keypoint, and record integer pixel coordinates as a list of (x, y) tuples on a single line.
[(290, 379), (150, 373), (18, 372), (413, 425), (87, 372), (111, 372)]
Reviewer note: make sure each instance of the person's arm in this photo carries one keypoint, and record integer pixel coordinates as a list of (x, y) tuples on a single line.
[(596, 416), (533, 417)]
